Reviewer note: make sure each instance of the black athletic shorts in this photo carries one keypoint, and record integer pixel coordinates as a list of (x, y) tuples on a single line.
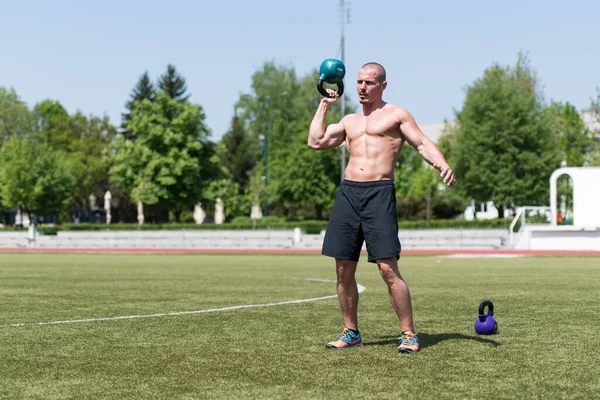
[(363, 212)]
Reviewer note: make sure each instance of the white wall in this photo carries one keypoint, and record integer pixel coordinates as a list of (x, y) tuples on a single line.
[(545, 237)]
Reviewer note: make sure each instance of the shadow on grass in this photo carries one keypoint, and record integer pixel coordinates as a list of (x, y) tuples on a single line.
[(430, 339)]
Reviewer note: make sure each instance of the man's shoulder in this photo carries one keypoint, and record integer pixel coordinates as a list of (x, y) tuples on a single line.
[(399, 112), (395, 108)]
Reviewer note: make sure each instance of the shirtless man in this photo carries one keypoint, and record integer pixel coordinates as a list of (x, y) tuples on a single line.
[(365, 204)]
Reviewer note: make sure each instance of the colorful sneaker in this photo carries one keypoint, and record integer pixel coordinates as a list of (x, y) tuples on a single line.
[(345, 340), (409, 343)]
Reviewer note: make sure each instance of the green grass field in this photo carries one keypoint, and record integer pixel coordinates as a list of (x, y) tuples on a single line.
[(546, 307)]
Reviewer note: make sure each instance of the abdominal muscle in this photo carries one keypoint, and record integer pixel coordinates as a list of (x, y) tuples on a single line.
[(372, 157)]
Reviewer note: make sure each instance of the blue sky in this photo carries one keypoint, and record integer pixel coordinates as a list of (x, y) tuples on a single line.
[(89, 55)]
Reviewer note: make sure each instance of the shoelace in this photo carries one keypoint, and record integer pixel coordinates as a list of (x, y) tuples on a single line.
[(407, 338), (346, 332)]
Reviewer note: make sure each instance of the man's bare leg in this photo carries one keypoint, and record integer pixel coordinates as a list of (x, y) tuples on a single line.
[(398, 292), (347, 291)]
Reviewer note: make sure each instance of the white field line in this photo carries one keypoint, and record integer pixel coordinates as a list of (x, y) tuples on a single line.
[(279, 303)]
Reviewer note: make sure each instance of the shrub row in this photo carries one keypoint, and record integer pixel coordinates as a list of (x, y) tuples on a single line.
[(307, 226)]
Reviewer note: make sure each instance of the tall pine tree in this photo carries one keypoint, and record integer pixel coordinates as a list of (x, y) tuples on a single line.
[(144, 89), (173, 83), (238, 154)]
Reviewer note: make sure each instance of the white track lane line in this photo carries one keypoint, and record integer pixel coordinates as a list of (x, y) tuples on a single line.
[(280, 303)]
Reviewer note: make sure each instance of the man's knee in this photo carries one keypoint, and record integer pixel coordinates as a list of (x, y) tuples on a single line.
[(388, 268), (345, 269)]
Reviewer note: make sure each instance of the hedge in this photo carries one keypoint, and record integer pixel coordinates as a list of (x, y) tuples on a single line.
[(307, 226)]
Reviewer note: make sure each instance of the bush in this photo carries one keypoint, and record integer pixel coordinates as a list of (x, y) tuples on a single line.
[(238, 223), (415, 208), (455, 223), (307, 226)]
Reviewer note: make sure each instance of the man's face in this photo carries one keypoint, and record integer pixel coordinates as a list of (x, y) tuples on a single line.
[(368, 86)]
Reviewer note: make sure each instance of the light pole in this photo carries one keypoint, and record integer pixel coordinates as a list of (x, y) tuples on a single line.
[(266, 156), (344, 18), (266, 151)]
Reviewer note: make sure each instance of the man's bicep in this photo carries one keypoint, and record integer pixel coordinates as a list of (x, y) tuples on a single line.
[(334, 134)]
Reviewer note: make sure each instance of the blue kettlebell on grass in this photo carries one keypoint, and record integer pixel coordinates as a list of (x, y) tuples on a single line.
[(332, 71), (486, 324)]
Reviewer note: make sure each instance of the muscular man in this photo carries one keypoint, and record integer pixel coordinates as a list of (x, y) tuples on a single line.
[(365, 204)]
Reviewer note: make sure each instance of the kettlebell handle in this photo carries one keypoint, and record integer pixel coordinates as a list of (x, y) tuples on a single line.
[(482, 306), (322, 90)]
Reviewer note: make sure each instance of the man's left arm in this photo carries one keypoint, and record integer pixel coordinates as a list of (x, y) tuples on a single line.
[(426, 148)]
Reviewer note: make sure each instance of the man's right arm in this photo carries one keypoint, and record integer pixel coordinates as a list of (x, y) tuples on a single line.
[(322, 136)]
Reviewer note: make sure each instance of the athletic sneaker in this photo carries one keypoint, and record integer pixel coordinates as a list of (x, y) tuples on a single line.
[(409, 343), (345, 340)]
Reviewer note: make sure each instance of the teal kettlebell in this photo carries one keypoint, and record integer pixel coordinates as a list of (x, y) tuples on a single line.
[(332, 71)]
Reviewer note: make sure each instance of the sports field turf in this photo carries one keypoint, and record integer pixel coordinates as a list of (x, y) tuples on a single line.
[(547, 309)]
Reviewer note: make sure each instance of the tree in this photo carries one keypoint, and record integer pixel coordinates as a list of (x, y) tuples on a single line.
[(15, 118), (238, 153), (53, 125), (408, 164), (452, 202), (504, 149), (91, 138), (143, 90), (170, 162), (83, 139), (278, 112), (173, 84), (303, 179), (229, 192), (418, 191), (593, 157), (35, 178), (574, 139)]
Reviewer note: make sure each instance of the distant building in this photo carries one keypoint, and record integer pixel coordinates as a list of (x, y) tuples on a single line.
[(591, 120), (433, 130)]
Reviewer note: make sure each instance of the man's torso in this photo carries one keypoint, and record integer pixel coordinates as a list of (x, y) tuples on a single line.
[(373, 142)]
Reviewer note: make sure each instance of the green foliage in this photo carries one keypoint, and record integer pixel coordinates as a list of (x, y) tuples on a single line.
[(574, 139), (173, 84), (418, 190), (304, 178), (429, 207), (170, 161), (448, 138), (15, 118), (35, 178), (504, 149), (594, 157), (83, 140), (278, 112), (91, 137), (53, 124), (453, 201), (308, 226), (238, 223), (228, 191), (143, 90), (409, 161), (238, 153)]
